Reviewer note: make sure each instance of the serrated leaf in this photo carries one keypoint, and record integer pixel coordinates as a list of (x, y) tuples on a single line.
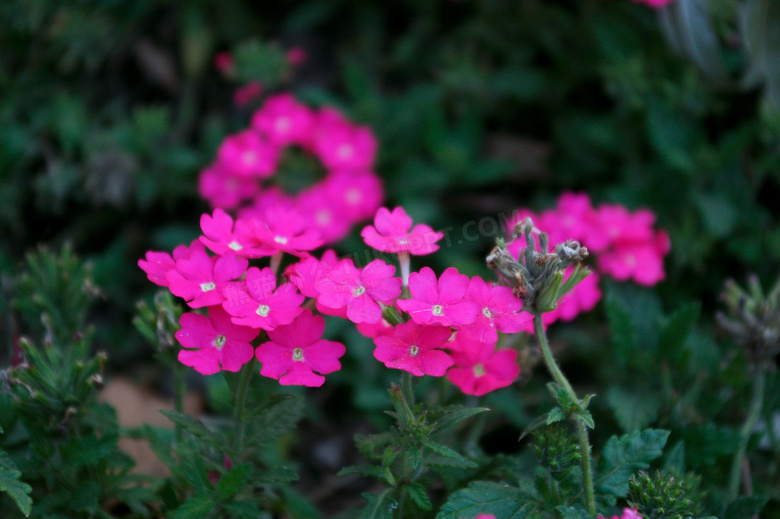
[(487, 497), (378, 507), (419, 496), (14, 487), (445, 417), (193, 426), (624, 456), (233, 481), (196, 507), (586, 418), (245, 510), (633, 411), (745, 507), (623, 333), (569, 512), (278, 417), (275, 475), (415, 456), (556, 414), (160, 447), (370, 471), (677, 329), (370, 445), (438, 460), (443, 450)]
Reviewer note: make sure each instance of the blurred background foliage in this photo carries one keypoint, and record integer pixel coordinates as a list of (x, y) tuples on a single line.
[(110, 108)]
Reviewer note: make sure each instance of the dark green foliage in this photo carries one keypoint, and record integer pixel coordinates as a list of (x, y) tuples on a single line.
[(499, 499), (663, 496)]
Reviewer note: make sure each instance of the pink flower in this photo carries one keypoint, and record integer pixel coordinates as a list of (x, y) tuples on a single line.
[(219, 236), (200, 279), (306, 273), (439, 302), (247, 93), (296, 56), (214, 342), (483, 516), (374, 330), (360, 291), (342, 146), (479, 368), (223, 189), (580, 299), (324, 213), (247, 154), (393, 232), (655, 4), (358, 194), (223, 61), (266, 199), (615, 222), (156, 265), (258, 303), (283, 120), (296, 351), (416, 349), (499, 311), (285, 230), (628, 513), (641, 260)]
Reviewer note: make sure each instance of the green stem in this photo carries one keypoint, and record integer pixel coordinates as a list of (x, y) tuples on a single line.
[(582, 431), (407, 387), (240, 404), (756, 403), (179, 389)]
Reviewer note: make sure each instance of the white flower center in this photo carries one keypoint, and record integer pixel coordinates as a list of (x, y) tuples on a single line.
[(208, 287), (324, 217), (414, 350), (486, 312), (353, 196), (281, 240), (359, 291), (345, 151), (297, 355), (479, 370), (235, 245), (263, 310), (220, 341), (436, 310), (283, 125), (403, 241)]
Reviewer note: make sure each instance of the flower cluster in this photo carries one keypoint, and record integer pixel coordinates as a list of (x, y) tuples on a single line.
[(625, 244), (246, 164), (420, 322)]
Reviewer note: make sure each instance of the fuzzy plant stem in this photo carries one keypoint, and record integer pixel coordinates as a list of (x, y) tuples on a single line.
[(582, 431), (756, 403), (240, 404)]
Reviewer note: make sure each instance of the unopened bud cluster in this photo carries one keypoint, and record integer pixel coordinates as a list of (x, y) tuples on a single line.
[(537, 276), (662, 496), (557, 449), (752, 319)]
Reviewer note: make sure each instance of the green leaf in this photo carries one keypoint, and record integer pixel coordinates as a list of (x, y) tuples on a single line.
[(586, 418), (633, 411), (277, 417), (487, 497), (745, 507), (705, 444), (443, 450), (245, 510), (556, 414), (623, 333), (676, 331), (193, 426), (233, 481), (159, 445), (415, 456), (196, 507), (569, 512), (369, 471), (11, 484), (445, 417), (624, 456), (275, 475), (419, 496), (378, 507), (717, 212)]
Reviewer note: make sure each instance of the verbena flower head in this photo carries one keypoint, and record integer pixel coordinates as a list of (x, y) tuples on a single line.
[(214, 343), (258, 303), (283, 120), (221, 234), (342, 146), (393, 232), (221, 188), (306, 273), (415, 348), (296, 355), (247, 154), (200, 279), (628, 513), (537, 275), (156, 264), (359, 291), (479, 368), (439, 301), (285, 230), (499, 311)]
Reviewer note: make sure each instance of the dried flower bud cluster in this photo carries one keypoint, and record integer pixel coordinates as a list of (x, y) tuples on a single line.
[(537, 277), (752, 319)]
